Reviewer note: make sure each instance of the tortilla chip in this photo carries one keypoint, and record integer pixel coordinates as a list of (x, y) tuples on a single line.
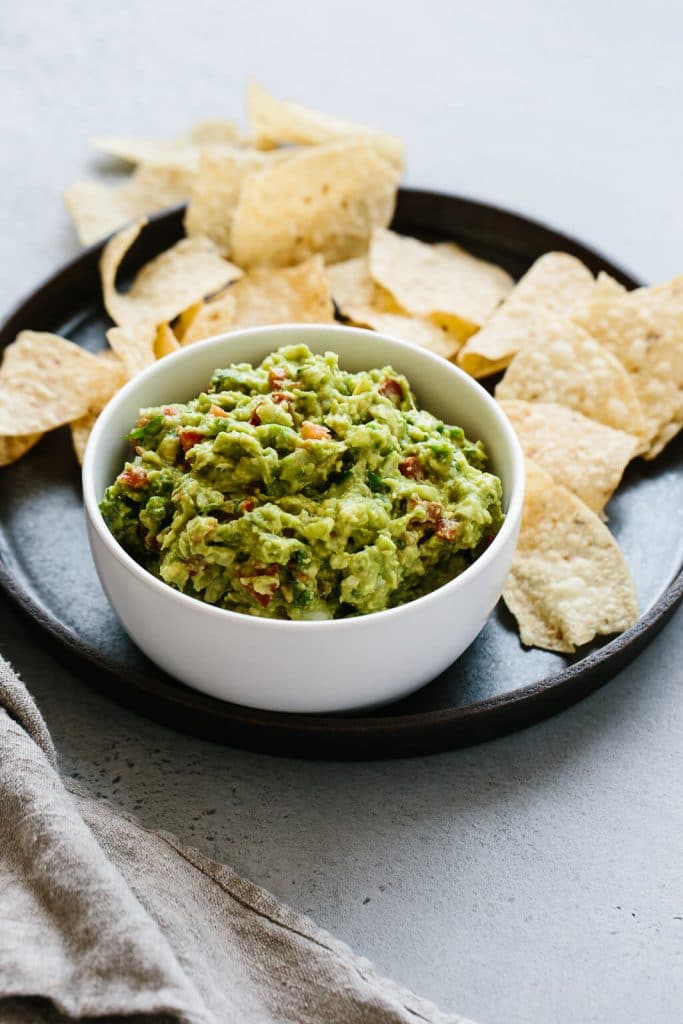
[(98, 209), (553, 284), (46, 381), (181, 153), (187, 272), (178, 154), (274, 122), (183, 322), (586, 457), (566, 365), (569, 581), (505, 334), (216, 192), (606, 287), (366, 304), (165, 342), (211, 318), (644, 330), (442, 281), (324, 200), (14, 448), (415, 329), (117, 373), (135, 347), (670, 290), (287, 295), (82, 427), (215, 131), (352, 285)]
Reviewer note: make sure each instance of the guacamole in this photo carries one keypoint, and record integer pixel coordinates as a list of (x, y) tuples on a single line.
[(298, 490)]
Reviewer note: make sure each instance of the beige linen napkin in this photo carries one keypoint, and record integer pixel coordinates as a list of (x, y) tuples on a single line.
[(101, 918)]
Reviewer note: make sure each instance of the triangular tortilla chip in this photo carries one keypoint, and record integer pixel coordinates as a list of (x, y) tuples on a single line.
[(14, 448), (211, 318), (187, 272), (274, 122), (287, 295), (323, 200), (553, 284), (215, 131), (216, 191), (670, 291), (46, 381), (606, 287), (178, 154), (82, 427), (182, 153), (138, 347), (134, 346), (442, 281), (416, 329), (569, 581), (644, 330), (585, 456), (98, 209), (568, 366), (366, 304), (352, 285)]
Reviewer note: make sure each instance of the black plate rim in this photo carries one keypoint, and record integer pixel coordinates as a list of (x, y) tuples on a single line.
[(398, 735)]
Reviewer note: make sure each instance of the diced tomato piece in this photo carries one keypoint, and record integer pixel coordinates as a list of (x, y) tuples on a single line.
[(189, 438), (170, 410), (314, 431), (277, 378), (392, 390), (248, 505), (281, 396), (216, 410), (255, 419), (262, 582), (433, 509), (133, 477), (447, 529), (411, 468)]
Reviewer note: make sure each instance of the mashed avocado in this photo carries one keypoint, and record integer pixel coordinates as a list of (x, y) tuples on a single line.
[(298, 490)]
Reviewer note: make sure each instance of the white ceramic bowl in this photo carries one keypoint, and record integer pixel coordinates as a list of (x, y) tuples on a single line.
[(303, 666)]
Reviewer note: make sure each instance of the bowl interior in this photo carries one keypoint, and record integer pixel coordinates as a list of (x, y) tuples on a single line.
[(439, 387)]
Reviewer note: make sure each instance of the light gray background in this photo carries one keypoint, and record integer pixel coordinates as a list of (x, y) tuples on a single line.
[(534, 879)]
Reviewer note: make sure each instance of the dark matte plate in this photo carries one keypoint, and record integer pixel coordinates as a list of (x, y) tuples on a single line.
[(497, 685)]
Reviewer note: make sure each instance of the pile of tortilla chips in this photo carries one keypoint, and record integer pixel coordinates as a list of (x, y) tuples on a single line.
[(288, 223), (593, 377)]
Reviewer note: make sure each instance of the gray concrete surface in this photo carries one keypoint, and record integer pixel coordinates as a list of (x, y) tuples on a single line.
[(534, 879)]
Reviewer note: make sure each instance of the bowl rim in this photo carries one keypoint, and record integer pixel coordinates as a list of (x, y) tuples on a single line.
[(146, 578)]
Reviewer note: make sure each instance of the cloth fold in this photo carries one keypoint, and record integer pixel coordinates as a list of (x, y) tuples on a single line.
[(102, 919)]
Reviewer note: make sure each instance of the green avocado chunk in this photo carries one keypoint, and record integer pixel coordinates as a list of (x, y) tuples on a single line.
[(298, 490)]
